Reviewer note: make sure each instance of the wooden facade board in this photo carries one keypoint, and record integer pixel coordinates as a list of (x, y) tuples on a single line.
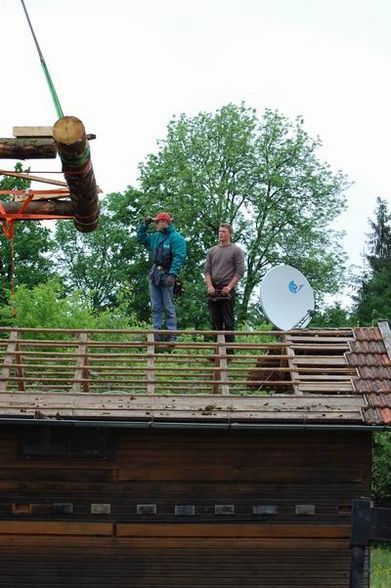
[(128, 406), (54, 528), (173, 564), (285, 469), (236, 531)]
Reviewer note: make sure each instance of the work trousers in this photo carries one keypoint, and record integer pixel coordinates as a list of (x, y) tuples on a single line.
[(162, 303), (222, 317)]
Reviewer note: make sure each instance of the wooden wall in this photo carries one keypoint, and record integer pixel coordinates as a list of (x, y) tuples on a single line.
[(260, 508)]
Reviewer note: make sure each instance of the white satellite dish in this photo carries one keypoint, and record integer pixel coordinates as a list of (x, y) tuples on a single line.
[(287, 298)]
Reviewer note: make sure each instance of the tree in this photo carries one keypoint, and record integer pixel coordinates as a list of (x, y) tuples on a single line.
[(373, 299), (262, 176), (32, 245), (334, 316), (381, 467), (49, 306), (107, 264)]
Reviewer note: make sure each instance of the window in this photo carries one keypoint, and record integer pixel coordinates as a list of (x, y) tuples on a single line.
[(46, 441)]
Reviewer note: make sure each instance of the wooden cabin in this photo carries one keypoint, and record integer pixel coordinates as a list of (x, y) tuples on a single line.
[(130, 462)]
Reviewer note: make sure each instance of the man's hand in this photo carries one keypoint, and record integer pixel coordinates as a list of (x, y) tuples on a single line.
[(211, 290), (148, 220), (226, 290), (169, 281)]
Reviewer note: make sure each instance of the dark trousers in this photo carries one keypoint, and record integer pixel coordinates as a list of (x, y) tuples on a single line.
[(222, 317)]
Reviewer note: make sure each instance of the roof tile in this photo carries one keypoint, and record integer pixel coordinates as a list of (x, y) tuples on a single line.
[(379, 400), (368, 334), (372, 416), (373, 364)]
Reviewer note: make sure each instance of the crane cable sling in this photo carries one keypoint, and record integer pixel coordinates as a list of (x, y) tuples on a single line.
[(52, 89)]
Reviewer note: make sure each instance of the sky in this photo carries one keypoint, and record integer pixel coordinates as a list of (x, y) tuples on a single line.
[(126, 67)]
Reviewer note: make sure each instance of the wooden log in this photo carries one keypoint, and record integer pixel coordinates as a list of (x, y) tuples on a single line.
[(60, 208), (27, 148), (74, 151)]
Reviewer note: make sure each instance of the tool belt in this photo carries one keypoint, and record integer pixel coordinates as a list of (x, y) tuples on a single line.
[(157, 275)]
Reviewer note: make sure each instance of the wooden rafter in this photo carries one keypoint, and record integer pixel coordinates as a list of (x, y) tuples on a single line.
[(31, 178)]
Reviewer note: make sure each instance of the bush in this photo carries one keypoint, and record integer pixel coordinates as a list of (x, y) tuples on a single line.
[(381, 467), (48, 306)]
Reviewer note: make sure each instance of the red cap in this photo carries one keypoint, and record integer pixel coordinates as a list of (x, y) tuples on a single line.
[(164, 216)]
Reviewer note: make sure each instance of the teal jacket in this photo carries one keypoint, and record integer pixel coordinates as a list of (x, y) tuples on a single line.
[(167, 248)]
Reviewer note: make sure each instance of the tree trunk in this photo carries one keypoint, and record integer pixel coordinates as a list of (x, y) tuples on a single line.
[(74, 151), (27, 148), (55, 207)]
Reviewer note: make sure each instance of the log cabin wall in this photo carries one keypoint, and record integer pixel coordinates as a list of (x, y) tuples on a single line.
[(175, 508)]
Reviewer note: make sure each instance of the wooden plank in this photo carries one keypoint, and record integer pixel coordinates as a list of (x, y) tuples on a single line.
[(43, 195), (318, 360), (226, 543), (322, 347), (236, 530), (18, 364), (28, 131), (181, 415), (55, 528), (220, 375), (325, 378), (327, 387), (9, 358), (180, 402), (14, 174), (318, 339), (294, 375), (81, 376), (386, 334), (234, 471), (151, 374)]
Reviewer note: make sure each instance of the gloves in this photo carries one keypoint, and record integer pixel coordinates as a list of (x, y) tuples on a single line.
[(148, 220), (169, 281)]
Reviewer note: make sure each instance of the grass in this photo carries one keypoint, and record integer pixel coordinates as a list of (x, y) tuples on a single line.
[(381, 566)]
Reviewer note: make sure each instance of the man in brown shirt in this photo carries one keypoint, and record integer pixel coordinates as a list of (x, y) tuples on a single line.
[(224, 267)]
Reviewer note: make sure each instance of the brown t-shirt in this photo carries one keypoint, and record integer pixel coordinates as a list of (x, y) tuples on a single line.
[(223, 262)]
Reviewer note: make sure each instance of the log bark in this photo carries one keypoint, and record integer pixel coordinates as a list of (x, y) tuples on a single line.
[(74, 151), (55, 207), (27, 148)]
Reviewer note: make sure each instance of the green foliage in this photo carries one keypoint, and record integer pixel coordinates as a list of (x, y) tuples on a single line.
[(262, 176), (100, 263), (381, 467), (373, 299), (334, 316), (47, 306), (381, 566), (32, 245)]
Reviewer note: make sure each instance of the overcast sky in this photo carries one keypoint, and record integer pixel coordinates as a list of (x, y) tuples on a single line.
[(125, 67)]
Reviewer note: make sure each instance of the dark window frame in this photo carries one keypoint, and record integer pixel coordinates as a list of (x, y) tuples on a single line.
[(63, 441)]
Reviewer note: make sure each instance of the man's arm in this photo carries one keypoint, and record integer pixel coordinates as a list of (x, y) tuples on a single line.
[(143, 236), (239, 272), (209, 285), (178, 249), (207, 274)]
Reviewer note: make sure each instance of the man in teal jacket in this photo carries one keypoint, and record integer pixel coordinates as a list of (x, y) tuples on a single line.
[(167, 252)]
